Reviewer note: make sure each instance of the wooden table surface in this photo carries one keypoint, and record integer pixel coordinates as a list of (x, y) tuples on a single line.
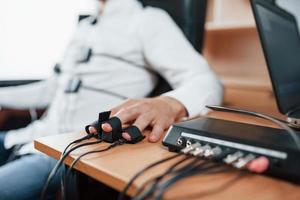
[(117, 166)]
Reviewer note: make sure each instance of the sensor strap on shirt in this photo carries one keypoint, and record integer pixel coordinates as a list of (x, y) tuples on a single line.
[(84, 55), (57, 69), (73, 85)]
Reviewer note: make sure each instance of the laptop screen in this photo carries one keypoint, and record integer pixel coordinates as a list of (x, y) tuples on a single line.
[(281, 43)]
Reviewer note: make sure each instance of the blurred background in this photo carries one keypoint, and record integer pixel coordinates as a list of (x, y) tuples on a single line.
[(34, 35), (233, 49)]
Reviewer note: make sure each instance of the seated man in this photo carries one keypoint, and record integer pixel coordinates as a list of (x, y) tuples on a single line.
[(115, 54)]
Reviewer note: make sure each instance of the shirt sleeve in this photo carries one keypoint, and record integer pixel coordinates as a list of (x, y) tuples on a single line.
[(168, 51), (34, 95)]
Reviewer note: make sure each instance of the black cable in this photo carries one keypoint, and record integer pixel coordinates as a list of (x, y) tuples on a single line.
[(124, 192), (126, 61), (151, 190), (190, 172), (104, 91), (182, 171), (119, 142), (59, 163), (263, 116), (214, 170), (131, 63), (157, 179), (293, 111), (220, 188), (87, 137), (63, 180)]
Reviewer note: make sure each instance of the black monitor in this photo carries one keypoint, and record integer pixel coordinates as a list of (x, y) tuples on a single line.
[(279, 35)]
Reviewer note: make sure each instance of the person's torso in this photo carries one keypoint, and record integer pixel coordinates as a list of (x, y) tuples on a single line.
[(116, 64)]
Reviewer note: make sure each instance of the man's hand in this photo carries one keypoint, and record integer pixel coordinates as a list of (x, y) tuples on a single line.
[(155, 113), (158, 114)]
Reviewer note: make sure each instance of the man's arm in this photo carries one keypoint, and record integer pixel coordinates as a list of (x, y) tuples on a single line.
[(37, 95), (168, 51), (157, 113), (170, 54), (195, 85)]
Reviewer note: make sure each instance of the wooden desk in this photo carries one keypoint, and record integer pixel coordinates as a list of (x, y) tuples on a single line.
[(116, 167)]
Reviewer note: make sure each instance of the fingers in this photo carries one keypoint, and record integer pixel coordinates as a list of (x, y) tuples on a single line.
[(156, 133), (92, 130), (125, 115), (157, 113), (259, 165), (126, 103), (142, 122), (106, 127), (128, 114), (126, 136)]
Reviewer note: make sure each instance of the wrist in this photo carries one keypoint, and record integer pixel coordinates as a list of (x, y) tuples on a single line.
[(177, 107)]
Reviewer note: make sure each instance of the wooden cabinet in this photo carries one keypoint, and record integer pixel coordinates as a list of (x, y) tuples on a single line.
[(233, 49)]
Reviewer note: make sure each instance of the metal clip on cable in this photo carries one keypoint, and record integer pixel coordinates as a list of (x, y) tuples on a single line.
[(199, 151), (190, 148), (212, 152), (243, 161), (231, 158)]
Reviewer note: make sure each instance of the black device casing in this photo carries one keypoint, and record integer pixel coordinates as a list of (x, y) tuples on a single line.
[(246, 134)]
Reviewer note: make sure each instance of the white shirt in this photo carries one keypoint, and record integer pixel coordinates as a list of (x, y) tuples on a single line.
[(144, 36)]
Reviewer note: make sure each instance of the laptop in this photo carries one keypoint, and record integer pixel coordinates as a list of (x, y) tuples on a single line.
[(280, 40)]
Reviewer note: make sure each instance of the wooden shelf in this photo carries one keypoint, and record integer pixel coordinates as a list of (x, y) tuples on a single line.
[(246, 83), (229, 26), (232, 48)]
